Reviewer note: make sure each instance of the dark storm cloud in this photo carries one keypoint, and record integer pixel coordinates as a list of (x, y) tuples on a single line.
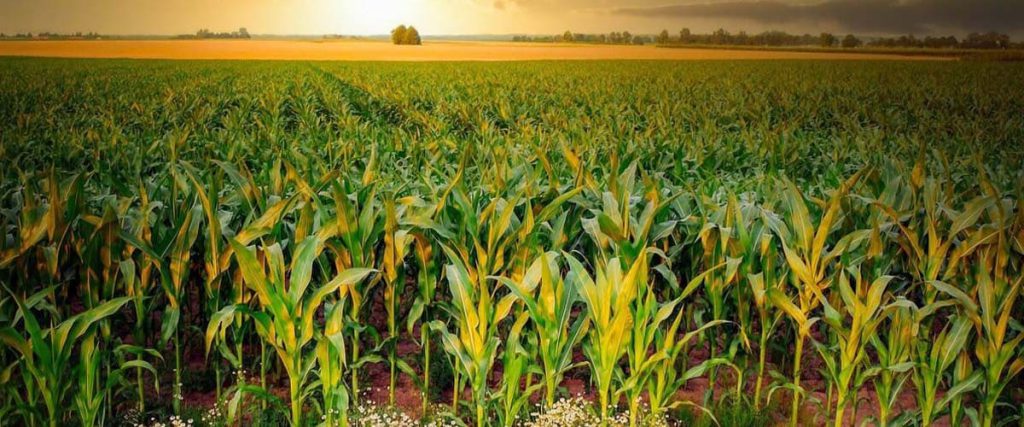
[(878, 16)]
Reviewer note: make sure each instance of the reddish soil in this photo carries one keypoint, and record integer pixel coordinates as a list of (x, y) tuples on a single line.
[(375, 378), (408, 397)]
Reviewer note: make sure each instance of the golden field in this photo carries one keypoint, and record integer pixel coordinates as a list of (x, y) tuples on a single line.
[(385, 51)]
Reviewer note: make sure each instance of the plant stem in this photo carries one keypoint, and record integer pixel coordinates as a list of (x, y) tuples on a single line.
[(138, 383), (263, 372), (603, 398), (988, 410), (51, 408), (176, 401), (296, 402), (634, 407), (828, 399), (840, 410), (425, 338), (762, 352), (355, 375), (241, 363), (391, 380), (455, 388), (550, 388), (217, 379), (795, 410)]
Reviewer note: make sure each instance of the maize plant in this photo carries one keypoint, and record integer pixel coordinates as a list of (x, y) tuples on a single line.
[(620, 231), (804, 248), (894, 345), (609, 296), (516, 363), (549, 301), (666, 377), (996, 346), (47, 357), (932, 360), (854, 320), (476, 314), (396, 248), (285, 316), (768, 318), (172, 262), (422, 306), (358, 229), (928, 241), (95, 385), (330, 356), (719, 243), (756, 261), (649, 350)]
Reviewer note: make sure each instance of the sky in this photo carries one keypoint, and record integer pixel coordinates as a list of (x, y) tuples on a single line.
[(455, 17)]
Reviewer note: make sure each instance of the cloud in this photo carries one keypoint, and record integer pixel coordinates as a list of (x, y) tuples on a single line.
[(872, 16)]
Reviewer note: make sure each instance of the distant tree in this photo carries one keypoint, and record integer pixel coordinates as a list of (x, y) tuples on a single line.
[(685, 36), (663, 38), (412, 37), (744, 39), (243, 33), (721, 36), (567, 36), (851, 41), (827, 40), (627, 38), (398, 34)]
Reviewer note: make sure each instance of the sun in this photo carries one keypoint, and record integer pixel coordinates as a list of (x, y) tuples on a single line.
[(380, 16)]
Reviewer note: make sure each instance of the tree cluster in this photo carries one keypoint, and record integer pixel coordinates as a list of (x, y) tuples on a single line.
[(851, 41), (406, 35)]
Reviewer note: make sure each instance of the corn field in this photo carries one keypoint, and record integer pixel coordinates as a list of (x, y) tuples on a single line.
[(267, 243)]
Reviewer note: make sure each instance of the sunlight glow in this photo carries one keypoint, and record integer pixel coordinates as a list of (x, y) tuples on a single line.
[(380, 16)]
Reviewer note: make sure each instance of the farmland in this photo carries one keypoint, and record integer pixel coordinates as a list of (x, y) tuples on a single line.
[(370, 50), (678, 242)]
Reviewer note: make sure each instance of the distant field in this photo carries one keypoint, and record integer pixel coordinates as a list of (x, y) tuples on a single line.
[(383, 51)]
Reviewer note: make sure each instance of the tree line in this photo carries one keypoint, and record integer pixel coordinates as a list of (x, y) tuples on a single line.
[(45, 35), (615, 37), (987, 40)]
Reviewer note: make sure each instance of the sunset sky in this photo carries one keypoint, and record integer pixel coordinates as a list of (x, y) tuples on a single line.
[(451, 17)]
